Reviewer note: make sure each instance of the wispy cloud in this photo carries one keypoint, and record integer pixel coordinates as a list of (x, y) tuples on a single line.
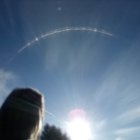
[(7, 81), (119, 138), (130, 116), (128, 131)]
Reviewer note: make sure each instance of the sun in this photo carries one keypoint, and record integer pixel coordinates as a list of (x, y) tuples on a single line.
[(78, 128)]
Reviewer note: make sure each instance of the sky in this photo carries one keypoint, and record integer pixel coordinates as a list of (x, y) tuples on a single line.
[(81, 54)]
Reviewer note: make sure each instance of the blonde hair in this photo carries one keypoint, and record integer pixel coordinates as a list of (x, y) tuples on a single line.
[(21, 114)]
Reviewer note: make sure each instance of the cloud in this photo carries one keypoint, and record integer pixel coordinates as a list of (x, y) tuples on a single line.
[(7, 82), (119, 138), (130, 116), (128, 131), (101, 124)]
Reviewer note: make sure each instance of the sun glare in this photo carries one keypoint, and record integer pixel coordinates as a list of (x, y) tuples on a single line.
[(79, 129)]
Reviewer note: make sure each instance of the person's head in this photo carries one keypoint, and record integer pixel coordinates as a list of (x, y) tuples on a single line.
[(21, 115)]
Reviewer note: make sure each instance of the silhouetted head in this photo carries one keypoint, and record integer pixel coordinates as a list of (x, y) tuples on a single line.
[(21, 115)]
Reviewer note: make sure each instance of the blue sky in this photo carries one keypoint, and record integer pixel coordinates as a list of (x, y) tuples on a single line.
[(76, 69)]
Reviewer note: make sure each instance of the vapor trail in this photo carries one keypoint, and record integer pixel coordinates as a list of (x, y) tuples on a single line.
[(51, 114), (67, 29), (55, 117)]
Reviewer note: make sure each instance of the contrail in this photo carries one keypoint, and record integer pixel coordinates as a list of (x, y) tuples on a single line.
[(51, 114), (55, 117), (58, 31)]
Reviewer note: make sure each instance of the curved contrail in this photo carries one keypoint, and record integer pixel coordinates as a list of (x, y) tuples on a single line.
[(67, 29)]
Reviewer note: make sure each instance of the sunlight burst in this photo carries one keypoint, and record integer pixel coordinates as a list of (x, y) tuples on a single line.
[(79, 129)]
